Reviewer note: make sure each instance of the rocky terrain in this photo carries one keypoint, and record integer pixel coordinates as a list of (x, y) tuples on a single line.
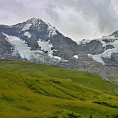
[(103, 50), (37, 41)]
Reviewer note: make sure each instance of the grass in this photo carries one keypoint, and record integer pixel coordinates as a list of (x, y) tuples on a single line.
[(31, 90)]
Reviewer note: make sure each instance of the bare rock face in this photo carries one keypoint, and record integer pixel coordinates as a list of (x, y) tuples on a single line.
[(93, 47), (113, 61), (103, 50), (5, 46), (115, 57)]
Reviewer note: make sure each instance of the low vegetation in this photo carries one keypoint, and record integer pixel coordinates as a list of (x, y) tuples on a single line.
[(29, 90)]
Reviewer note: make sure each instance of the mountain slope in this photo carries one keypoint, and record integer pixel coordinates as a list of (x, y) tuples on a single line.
[(103, 50), (39, 42), (35, 36), (36, 90)]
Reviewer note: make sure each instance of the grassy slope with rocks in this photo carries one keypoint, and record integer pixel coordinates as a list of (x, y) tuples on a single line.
[(30, 90)]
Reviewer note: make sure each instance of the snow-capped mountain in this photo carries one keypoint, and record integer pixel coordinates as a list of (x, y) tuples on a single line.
[(103, 50), (37, 41)]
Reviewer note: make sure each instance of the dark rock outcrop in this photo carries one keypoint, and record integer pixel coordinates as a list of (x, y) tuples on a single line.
[(93, 47)]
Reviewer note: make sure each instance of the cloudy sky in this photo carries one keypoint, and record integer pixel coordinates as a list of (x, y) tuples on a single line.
[(77, 19)]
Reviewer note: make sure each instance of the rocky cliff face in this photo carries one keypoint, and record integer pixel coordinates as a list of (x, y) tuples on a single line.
[(5, 46), (93, 47), (103, 50)]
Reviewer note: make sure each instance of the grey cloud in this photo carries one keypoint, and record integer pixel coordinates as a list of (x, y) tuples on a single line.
[(51, 12), (75, 18), (100, 12), (12, 11)]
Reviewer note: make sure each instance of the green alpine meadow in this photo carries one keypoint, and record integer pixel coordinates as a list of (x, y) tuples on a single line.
[(30, 90)]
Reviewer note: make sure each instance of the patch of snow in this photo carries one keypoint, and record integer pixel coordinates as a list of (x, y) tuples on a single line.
[(105, 44), (27, 34), (46, 46), (52, 30), (20, 47), (78, 42), (25, 52), (107, 53), (58, 58), (108, 37), (84, 41), (65, 60), (54, 50), (75, 56), (97, 58), (26, 27)]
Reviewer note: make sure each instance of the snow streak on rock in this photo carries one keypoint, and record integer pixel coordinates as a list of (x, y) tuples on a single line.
[(97, 58), (75, 56), (25, 52), (52, 30), (20, 47), (26, 27), (45, 46), (84, 41), (106, 41), (27, 34)]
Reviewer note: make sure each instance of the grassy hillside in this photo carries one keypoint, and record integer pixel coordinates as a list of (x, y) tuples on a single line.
[(29, 90)]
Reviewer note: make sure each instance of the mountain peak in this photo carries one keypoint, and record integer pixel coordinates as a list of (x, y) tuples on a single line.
[(34, 21)]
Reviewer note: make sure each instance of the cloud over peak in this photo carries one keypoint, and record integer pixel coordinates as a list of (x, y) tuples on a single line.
[(75, 18)]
